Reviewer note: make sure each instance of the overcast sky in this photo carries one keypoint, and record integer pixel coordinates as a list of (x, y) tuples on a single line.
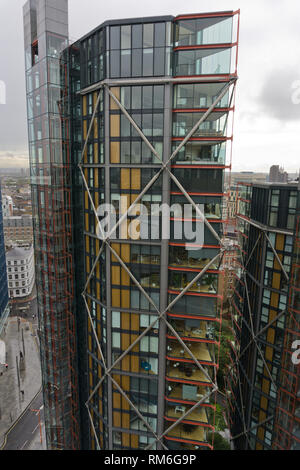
[(267, 122)]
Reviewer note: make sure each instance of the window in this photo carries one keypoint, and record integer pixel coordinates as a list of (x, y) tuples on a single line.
[(116, 340), (116, 320)]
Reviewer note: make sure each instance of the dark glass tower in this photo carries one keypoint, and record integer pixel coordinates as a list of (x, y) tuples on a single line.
[(263, 381), (46, 36)]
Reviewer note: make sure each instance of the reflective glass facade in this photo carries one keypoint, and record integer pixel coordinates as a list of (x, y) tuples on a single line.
[(46, 36)]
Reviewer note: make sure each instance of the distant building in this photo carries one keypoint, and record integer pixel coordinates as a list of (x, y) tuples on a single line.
[(7, 206), (18, 228), (263, 383), (20, 271), (248, 177), (277, 175)]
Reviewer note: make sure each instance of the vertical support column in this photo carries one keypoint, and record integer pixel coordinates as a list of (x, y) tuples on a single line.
[(108, 269), (256, 323), (164, 262)]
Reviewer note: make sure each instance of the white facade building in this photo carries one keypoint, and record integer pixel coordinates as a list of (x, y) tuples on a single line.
[(20, 271), (7, 206)]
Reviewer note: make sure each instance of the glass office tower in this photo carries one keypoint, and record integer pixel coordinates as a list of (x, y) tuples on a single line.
[(262, 380), (46, 36), (147, 104)]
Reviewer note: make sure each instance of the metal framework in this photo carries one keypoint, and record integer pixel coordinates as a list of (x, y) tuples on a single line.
[(236, 368), (106, 241)]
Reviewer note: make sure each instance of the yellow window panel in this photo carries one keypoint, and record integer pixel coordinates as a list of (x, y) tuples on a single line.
[(125, 440), (115, 125), (87, 244), (84, 129), (276, 281), (271, 336), (266, 386), (125, 253), (125, 404), (125, 178), (125, 299), (115, 297), (115, 152), (135, 365), (116, 248), (96, 158), (125, 279), (135, 322), (135, 179), (117, 419), (115, 275), (84, 105), (125, 321), (96, 128), (274, 299), (116, 400), (264, 403), (125, 420), (279, 244), (116, 92)]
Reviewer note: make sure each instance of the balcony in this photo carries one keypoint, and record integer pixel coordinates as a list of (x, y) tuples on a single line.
[(191, 394), (188, 432), (181, 257), (196, 330), (200, 153), (175, 412), (207, 284), (186, 372), (199, 350)]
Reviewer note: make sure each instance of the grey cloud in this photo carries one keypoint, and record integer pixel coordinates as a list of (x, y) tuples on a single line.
[(276, 97)]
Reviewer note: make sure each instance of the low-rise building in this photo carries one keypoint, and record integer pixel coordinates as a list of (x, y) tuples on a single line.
[(18, 228), (20, 270), (7, 206)]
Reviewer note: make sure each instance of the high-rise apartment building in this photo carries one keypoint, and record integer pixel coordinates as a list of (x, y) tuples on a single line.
[(138, 111), (263, 380)]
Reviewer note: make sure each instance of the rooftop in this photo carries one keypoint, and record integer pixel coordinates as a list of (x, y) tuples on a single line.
[(19, 252)]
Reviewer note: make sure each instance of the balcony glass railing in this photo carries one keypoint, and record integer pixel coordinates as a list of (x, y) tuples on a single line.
[(213, 126), (200, 153), (202, 62), (190, 96), (201, 31)]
